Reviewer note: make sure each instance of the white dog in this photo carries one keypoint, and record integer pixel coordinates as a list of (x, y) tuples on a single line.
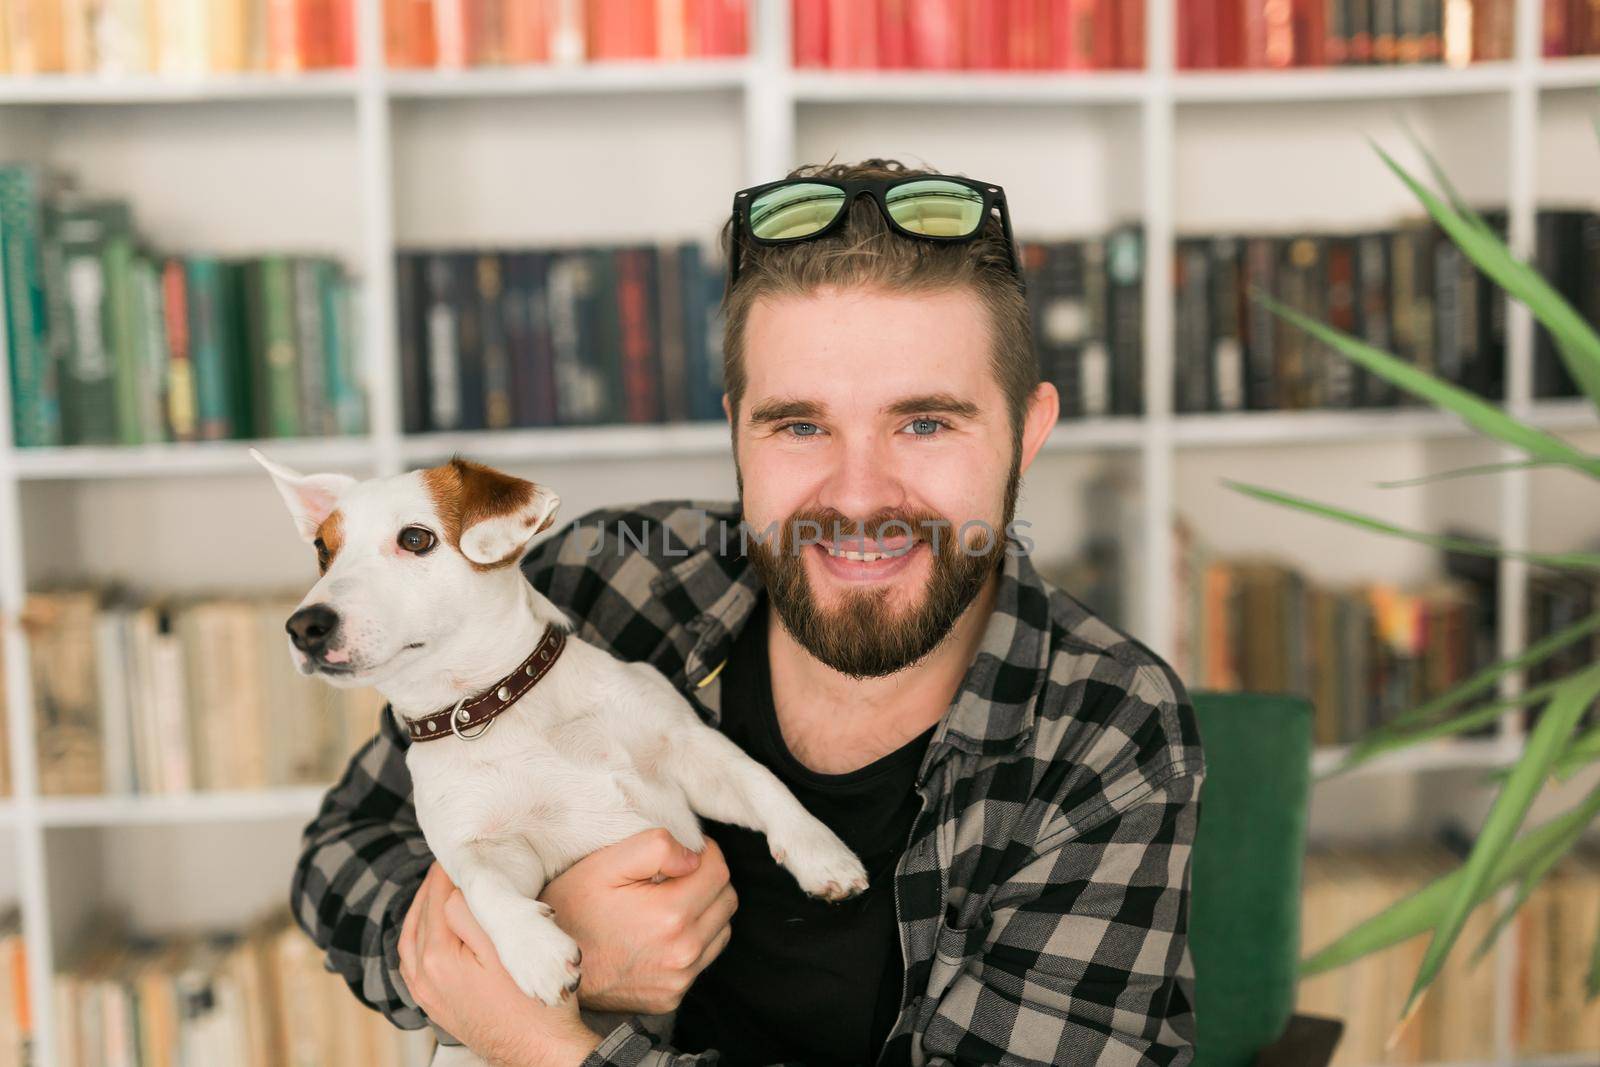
[(421, 597)]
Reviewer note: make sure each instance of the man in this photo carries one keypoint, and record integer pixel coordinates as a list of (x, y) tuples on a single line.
[(1020, 778)]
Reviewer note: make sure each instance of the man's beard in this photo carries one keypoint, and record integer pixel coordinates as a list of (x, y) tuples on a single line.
[(862, 636)]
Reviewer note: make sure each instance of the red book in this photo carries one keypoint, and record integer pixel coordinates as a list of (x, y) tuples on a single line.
[(1555, 27), (1058, 34), (1230, 33), (640, 395), (1205, 51), (1130, 36), (985, 32), (852, 34), (734, 39), (810, 33), (1076, 34), (527, 31), (344, 33), (936, 34), (642, 30), (181, 399), (894, 34), (1310, 20), (1103, 35), (1020, 24)]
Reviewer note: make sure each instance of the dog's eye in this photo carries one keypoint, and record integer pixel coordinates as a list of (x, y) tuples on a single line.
[(323, 555), (416, 539)]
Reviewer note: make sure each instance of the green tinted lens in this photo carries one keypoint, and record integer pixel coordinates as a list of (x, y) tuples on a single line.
[(936, 208), (794, 211)]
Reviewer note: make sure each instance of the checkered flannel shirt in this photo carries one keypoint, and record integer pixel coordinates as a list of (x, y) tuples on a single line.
[(1043, 898)]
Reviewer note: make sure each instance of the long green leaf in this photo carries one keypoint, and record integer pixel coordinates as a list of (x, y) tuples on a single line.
[(1481, 681), (1575, 341), (1458, 722), (1465, 472), (1410, 916), (1539, 866), (1582, 752), (1549, 736), (1570, 560), (1478, 412)]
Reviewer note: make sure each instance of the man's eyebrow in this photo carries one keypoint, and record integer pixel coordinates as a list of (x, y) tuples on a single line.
[(778, 410), (946, 403)]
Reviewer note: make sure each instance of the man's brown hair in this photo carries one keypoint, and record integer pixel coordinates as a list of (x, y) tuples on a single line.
[(865, 252)]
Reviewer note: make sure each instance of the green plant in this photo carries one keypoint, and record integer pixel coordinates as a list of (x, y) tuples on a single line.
[(1555, 747)]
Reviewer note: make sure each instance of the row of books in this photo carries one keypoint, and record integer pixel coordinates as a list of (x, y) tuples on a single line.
[(455, 34), (1223, 34), (1455, 1021), (175, 37), (969, 34), (257, 997), (148, 696), (1361, 653), (494, 339), (1408, 291), (16, 1015), (114, 342)]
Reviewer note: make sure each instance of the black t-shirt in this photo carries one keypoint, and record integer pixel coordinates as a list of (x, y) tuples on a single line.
[(802, 980)]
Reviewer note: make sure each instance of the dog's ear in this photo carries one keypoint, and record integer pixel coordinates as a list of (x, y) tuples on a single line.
[(493, 514), (311, 497)]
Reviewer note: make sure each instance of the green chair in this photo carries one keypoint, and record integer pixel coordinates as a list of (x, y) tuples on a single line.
[(1244, 921)]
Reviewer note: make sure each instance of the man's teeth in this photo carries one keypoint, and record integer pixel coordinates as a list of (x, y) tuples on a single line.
[(859, 557)]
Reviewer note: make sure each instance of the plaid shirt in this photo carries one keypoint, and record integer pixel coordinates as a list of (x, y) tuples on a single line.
[(1043, 896)]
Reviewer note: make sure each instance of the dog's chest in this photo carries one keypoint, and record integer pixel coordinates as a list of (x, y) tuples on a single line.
[(527, 775)]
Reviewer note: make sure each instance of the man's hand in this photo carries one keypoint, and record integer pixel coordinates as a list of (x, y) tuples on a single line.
[(456, 977), (649, 915)]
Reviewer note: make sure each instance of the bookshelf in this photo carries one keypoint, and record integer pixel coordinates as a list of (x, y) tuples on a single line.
[(417, 156)]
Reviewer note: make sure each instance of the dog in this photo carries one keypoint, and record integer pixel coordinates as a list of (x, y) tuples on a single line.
[(421, 597)]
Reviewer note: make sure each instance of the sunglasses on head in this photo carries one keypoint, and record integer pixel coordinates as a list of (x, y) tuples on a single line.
[(928, 207)]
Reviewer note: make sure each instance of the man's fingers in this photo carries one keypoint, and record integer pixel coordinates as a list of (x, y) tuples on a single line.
[(713, 949), (465, 926), (648, 853), (716, 914)]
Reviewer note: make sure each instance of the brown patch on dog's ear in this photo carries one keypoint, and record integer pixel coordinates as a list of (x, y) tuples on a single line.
[(467, 493), (330, 538)]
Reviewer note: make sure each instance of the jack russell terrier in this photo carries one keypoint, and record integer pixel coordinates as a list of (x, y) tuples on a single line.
[(530, 747)]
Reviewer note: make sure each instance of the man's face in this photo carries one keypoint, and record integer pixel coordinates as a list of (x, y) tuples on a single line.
[(872, 424)]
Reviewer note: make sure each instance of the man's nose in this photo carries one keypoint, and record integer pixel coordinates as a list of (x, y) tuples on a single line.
[(312, 627), (863, 479)]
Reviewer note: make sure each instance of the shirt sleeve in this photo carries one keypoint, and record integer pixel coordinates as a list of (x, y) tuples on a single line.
[(362, 860), (1085, 958)]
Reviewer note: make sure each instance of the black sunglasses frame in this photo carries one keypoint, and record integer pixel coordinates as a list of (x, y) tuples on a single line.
[(877, 188)]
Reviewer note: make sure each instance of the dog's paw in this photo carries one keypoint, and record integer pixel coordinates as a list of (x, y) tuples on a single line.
[(543, 960), (822, 864)]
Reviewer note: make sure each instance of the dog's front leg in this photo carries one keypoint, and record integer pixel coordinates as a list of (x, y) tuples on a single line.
[(722, 782), (501, 881)]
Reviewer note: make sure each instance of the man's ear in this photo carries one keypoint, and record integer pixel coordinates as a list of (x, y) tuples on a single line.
[(1039, 418), (498, 513), (311, 497)]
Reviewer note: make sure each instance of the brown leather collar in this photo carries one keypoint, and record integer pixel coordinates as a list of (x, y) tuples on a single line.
[(482, 709)]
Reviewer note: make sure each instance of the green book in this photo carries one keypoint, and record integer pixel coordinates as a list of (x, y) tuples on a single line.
[(35, 399), (316, 410), (269, 300), (341, 344), (207, 282), (150, 350), (122, 332)]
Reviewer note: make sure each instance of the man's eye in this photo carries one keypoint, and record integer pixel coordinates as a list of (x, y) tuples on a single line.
[(925, 427), (803, 429), (416, 539)]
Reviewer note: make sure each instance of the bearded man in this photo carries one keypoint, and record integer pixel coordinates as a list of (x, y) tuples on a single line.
[(1020, 778)]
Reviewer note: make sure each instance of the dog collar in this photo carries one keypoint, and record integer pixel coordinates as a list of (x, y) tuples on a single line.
[(481, 710)]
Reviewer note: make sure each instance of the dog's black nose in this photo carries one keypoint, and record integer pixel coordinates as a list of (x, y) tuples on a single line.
[(311, 628)]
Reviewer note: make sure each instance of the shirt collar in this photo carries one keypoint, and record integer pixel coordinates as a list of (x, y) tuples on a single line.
[(993, 711)]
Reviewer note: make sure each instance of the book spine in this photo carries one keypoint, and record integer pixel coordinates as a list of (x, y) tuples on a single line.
[(278, 407), (1228, 382), (444, 391), (490, 288), (181, 401), (35, 396), (316, 415), (471, 386), (411, 340)]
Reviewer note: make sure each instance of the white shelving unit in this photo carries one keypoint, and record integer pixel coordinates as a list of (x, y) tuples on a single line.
[(1139, 124)]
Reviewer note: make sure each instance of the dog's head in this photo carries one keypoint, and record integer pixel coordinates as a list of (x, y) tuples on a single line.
[(409, 564)]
